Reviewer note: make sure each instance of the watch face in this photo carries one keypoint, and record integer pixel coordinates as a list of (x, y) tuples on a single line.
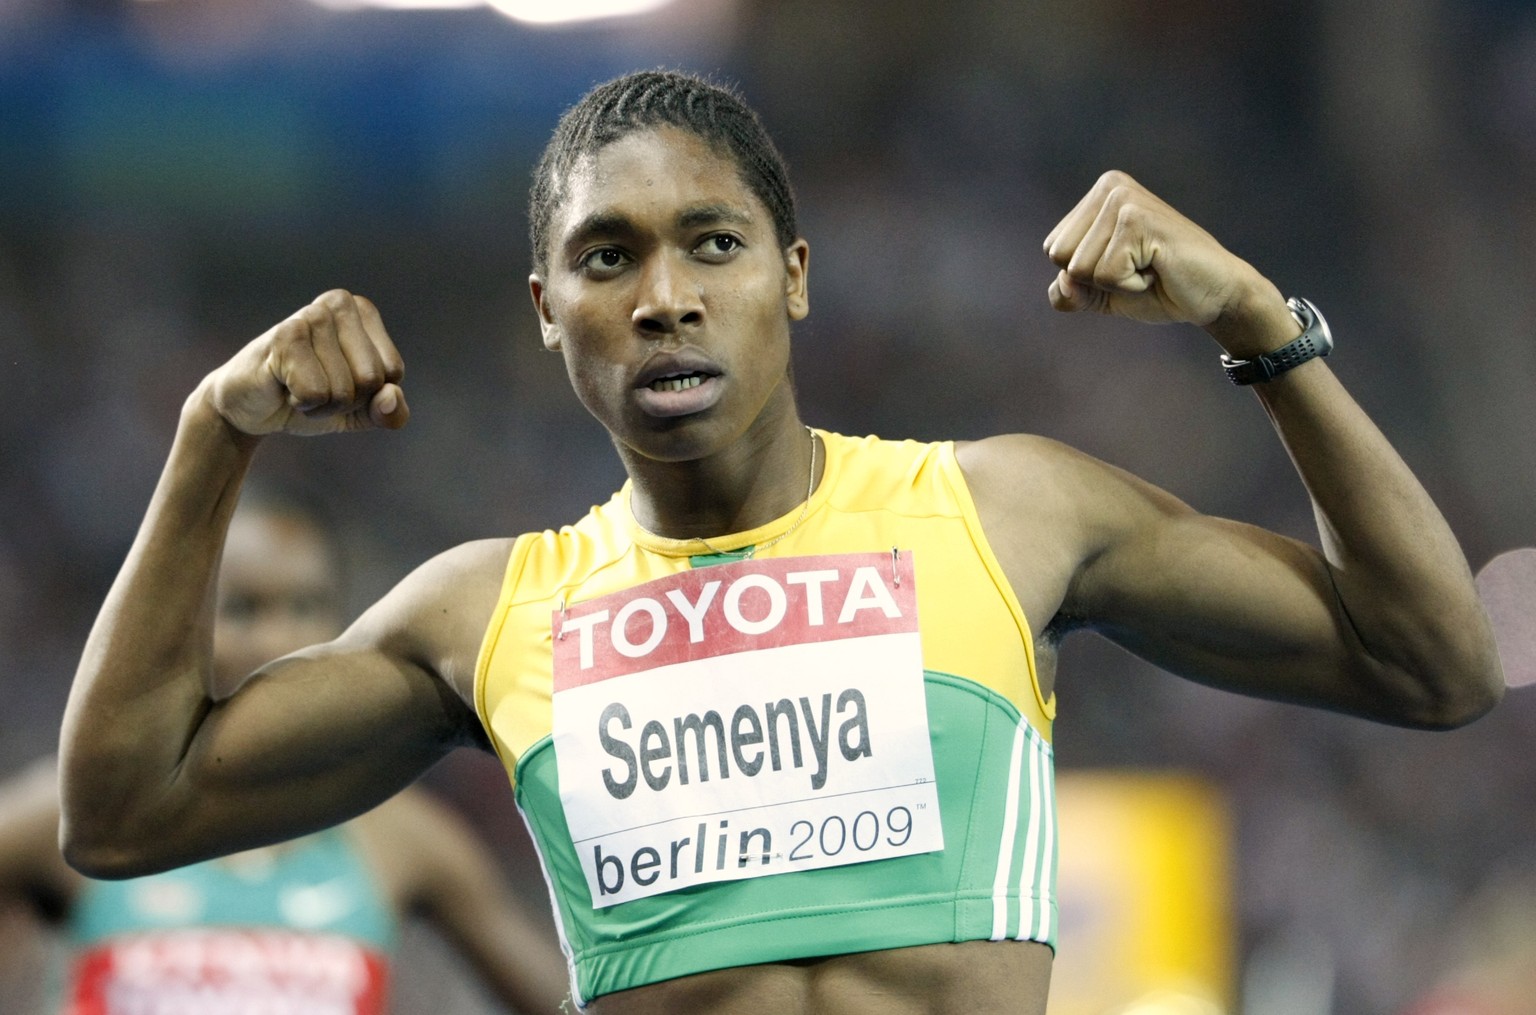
[(1302, 311)]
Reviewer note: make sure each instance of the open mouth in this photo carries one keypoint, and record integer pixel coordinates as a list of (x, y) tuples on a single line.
[(677, 382)]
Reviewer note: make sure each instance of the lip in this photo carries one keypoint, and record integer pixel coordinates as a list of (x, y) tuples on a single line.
[(678, 403)]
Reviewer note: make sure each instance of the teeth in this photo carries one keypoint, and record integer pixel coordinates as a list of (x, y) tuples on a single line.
[(677, 383)]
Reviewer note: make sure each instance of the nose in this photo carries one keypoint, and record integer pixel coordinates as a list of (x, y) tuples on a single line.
[(668, 297)]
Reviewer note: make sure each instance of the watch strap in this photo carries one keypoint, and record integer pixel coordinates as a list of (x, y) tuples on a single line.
[(1314, 342)]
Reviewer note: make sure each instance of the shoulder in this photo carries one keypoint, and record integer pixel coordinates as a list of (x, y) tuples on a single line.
[(1055, 478), (990, 458), (479, 562), (436, 615), (1055, 516)]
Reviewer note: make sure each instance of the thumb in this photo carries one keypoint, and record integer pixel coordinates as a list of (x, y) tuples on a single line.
[(387, 409), (1069, 296)]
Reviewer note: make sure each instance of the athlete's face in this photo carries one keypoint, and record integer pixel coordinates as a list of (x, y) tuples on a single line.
[(669, 296), (277, 593)]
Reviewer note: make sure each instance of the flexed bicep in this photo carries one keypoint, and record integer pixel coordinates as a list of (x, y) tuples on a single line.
[(310, 740), (1236, 607), (329, 731)]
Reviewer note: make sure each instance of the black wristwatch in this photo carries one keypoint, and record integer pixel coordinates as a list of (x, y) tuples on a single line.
[(1315, 341)]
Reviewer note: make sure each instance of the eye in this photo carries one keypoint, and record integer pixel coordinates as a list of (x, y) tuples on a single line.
[(603, 262), (718, 247)]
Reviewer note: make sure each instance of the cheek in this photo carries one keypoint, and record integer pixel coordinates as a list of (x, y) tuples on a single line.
[(590, 375), (764, 315)]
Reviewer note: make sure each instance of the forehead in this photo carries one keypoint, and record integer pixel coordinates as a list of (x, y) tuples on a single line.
[(653, 173)]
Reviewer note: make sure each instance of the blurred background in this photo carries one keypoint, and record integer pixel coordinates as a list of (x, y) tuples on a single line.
[(178, 175)]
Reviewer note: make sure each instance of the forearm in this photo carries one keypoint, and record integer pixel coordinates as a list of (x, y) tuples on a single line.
[(141, 690), (1386, 621), (1399, 573)]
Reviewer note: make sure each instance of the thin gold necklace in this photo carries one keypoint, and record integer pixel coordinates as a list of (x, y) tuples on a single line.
[(748, 552)]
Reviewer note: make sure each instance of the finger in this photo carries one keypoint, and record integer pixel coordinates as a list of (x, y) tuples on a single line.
[(293, 364), (389, 356), (1089, 258), (1070, 297), (1127, 263), (387, 408), (362, 357), (324, 317), (1062, 242)]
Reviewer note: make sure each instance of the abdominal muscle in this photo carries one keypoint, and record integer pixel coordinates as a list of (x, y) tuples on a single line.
[(1006, 977)]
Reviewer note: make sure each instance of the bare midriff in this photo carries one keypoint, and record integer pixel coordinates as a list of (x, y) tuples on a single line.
[(1005, 977)]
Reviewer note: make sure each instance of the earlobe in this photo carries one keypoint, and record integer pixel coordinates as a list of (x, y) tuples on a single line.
[(797, 265), (547, 325)]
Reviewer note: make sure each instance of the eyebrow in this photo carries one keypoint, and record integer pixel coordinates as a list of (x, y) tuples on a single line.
[(709, 214), (611, 223)]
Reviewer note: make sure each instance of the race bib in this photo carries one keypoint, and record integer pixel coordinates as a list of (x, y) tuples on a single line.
[(742, 720), (228, 971)]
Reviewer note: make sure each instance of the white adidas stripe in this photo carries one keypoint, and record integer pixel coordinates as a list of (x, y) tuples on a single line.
[(1000, 880), (554, 904), (1041, 851)]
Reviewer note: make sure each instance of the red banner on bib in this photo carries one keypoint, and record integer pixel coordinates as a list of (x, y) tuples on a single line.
[(739, 607)]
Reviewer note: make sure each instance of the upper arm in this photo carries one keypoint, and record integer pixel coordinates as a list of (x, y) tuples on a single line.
[(436, 866), (327, 732), (1218, 601)]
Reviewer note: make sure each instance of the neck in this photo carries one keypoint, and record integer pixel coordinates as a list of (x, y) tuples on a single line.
[(754, 480)]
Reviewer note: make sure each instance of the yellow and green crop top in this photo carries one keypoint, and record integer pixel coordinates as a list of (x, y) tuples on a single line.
[(988, 725)]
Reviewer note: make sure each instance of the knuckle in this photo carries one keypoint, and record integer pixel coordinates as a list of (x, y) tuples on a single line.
[(1123, 197), (312, 317), (1114, 179), (334, 300), (305, 391), (1080, 272), (287, 332), (368, 377)]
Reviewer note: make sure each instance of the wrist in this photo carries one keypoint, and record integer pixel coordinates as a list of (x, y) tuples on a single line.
[(1315, 341), (1256, 321), (202, 421)]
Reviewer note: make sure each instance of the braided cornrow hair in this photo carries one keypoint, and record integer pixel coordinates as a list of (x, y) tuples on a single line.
[(646, 99)]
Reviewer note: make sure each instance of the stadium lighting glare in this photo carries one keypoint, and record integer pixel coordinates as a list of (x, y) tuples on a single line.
[(399, 5), (554, 12), (536, 12)]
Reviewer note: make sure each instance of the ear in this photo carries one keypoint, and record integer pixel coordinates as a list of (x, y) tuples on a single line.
[(547, 324), (797, 266)]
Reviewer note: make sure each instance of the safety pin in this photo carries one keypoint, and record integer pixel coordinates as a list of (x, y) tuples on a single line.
[(561, 604), (895, 574)]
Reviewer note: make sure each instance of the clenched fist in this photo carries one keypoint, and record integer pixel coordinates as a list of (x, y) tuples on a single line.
[(1125, 251), (330, 367)]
